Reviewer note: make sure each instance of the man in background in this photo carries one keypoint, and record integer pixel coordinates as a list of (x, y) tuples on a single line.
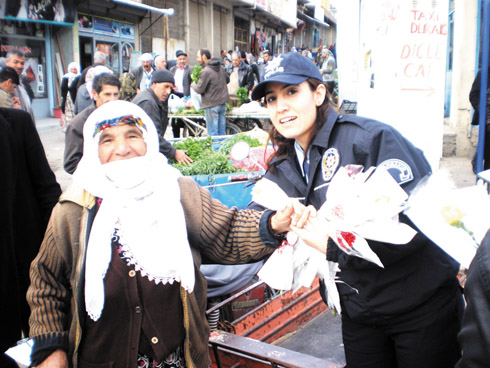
[(154, 101), (241, 75), (214, 93), (105, 88), (99, 59), (266, 54), (16, 60), (9, 79), (160, 62), (143, 72), (182, 74)]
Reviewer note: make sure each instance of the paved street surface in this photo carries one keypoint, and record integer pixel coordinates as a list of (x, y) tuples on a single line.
[(322, 337)]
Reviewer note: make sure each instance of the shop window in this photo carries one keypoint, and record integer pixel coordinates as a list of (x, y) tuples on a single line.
[(34, 74)]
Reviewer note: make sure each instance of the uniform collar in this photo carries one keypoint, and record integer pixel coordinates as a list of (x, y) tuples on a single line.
[(323, 135)]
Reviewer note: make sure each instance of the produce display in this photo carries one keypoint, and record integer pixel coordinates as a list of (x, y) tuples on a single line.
[(206, 161), (191, 111)]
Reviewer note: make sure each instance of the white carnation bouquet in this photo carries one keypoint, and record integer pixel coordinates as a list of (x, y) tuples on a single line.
[(359, 206), (454, 219)]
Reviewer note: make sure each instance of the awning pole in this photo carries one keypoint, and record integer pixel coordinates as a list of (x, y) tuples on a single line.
[(485, 42)]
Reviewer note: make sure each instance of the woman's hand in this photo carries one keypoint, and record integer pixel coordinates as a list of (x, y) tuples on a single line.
[(313, 234), (295, 214), (56, 359)]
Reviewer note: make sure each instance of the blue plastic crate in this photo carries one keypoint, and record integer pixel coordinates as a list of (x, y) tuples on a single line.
[(229, 193)]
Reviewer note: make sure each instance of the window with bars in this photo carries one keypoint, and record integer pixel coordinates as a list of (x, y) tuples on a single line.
[(241, 34)]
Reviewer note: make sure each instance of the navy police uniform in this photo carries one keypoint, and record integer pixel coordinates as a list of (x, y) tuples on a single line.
[(416, 295)]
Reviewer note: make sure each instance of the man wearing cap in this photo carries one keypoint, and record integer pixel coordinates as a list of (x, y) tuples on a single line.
[(9, 79), (143, 73), (154, 101), (212, 88), (182, 74)]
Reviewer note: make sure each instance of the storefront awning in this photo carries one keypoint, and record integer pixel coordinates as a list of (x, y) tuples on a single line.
[(311, 19), (251, 5), (113, 10)]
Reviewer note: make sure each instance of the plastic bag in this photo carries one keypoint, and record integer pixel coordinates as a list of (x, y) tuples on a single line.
[(196, 99), (175, 103)]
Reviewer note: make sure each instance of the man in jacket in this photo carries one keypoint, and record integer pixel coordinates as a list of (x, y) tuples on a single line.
[(143, 73), (182, 74), (9, 80), (241, 74), (16, 59), (29, 192), (154, 101), (212, 87), (167, 223), (267, 56), (105, 88)]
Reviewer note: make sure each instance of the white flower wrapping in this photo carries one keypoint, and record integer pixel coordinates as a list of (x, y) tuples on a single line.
[(454, 219), (359, 205)]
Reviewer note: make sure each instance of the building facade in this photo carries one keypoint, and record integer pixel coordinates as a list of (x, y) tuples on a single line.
[(53, 33)]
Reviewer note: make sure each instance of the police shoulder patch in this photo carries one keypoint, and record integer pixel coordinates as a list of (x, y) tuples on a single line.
[(399, 170), (330, 162)]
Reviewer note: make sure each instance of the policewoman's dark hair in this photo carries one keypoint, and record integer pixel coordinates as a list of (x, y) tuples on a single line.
[(285, 146)]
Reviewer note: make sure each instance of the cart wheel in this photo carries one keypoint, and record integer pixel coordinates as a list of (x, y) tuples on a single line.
[(232, 129)]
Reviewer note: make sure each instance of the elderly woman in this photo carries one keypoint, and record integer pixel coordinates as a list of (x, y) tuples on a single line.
[(69, 92), (117, 282)]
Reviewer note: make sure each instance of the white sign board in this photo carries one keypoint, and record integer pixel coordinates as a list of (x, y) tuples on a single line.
[(402, 68)]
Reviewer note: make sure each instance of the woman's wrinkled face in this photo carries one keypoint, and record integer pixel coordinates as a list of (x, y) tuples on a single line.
[(293, 109), (121, 143)]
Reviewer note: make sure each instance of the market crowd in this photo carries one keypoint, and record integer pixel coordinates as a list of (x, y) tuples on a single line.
[(108, 272)]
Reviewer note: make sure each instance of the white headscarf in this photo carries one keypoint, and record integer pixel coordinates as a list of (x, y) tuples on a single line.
[(141, 197), (91, 74), (69, 73)]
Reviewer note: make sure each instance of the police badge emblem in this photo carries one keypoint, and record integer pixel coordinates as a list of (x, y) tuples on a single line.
[(400, 170), (330, 162)]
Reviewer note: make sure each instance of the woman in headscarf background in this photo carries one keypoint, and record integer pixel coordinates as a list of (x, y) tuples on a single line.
[(408, 313), (68, 93), (117, 278)]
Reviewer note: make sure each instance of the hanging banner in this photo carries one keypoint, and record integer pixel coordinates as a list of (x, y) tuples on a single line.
[(61, 12), (402, 68)]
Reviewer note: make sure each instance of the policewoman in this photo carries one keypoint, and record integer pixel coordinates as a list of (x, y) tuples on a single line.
[(407, 314)]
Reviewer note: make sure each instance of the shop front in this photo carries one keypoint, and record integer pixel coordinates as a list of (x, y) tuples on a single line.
[(25, 25), (114, 38)]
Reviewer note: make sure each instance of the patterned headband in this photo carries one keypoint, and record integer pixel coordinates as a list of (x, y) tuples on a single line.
[(121, 120)]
